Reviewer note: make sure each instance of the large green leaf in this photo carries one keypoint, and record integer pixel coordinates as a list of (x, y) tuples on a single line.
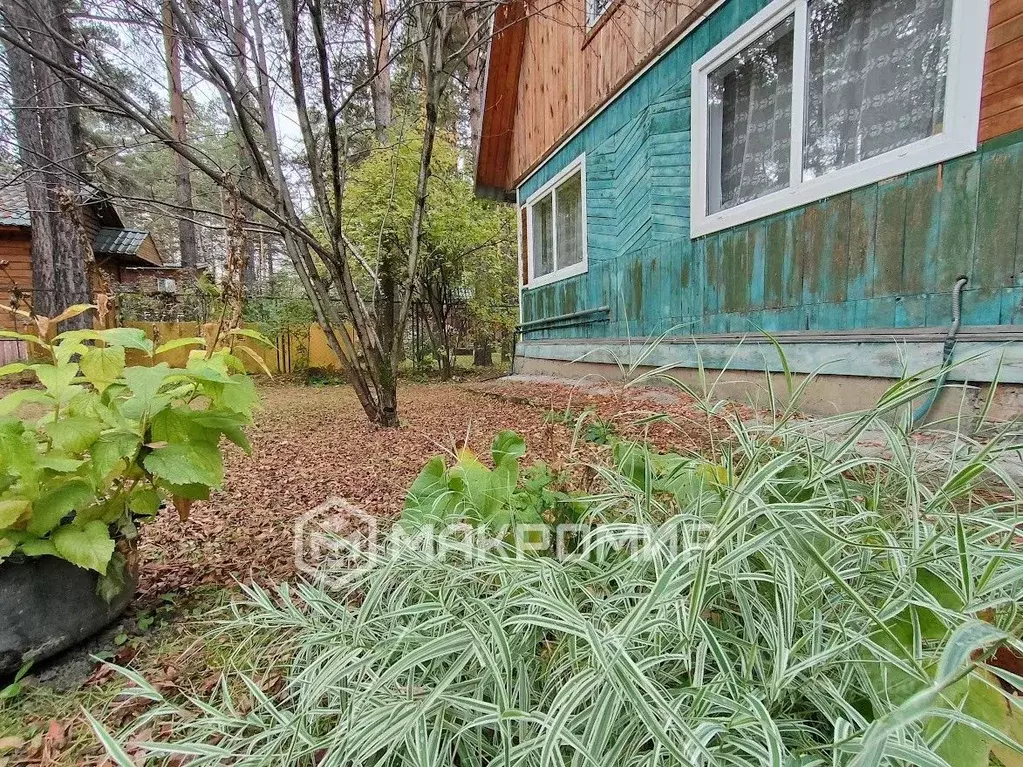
[(192, 492), (129, 338), (13, 401), (73, 435), (502, 482), (111, 448), (50, 508), (145, 382), (430, 500), (179, 343), (965, 746), (6, 548), (11, 510), (507, 444), (144, 501), (38, 547), (475, 479), (56, 379), (255, 335), (180, 425), (240, 396), (1013, 728), (90, 547), (227, 423), (101, 366), (186, 464), (13, 368), (57, 462)]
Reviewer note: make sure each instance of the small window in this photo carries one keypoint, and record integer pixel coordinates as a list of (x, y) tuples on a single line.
[(595, 9), (556, 218), (816, 97)]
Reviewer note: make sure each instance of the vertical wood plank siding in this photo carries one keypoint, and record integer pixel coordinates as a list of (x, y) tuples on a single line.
[(567, 70), (567, 73), (16, 250), (884, 256)]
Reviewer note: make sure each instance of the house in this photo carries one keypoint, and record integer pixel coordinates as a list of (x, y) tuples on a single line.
[(824, 170), (129, 258)]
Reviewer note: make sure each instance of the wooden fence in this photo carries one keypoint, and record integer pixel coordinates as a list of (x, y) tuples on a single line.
[(295, 349)]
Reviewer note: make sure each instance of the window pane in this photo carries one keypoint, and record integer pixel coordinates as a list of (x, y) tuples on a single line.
[(570, 222), (543, 237), (876, 78), (751, 121), (596, 8)]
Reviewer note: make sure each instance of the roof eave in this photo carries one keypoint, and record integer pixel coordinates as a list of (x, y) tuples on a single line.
[(500, 98)]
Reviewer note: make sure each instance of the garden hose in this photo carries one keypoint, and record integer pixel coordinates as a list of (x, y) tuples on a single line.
[(947, 351)]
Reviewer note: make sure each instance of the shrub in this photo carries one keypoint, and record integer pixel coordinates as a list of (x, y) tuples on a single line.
[(793, 603), (101, 445)]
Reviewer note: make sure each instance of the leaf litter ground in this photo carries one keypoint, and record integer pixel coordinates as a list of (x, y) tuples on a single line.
[(309, 444)]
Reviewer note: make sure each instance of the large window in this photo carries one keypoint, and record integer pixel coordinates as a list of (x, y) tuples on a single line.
[(816, 97), (556, 219)]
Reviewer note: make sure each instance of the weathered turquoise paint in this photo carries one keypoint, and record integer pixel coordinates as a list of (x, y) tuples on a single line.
[(883, 256)]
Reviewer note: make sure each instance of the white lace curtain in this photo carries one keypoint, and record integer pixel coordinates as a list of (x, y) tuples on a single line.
[(875, 80), (755, 92), (570, 222)]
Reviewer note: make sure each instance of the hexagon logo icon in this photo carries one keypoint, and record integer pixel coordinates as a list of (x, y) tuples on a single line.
[(335, 541)]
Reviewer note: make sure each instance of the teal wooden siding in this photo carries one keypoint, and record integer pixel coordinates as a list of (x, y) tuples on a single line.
[(886, 255)]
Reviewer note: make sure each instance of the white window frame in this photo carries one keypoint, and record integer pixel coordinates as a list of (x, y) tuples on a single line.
[(962, 117), (592, 17), (578, 165)]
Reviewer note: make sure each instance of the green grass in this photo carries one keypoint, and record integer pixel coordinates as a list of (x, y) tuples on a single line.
[(821, 608), (167, 635)]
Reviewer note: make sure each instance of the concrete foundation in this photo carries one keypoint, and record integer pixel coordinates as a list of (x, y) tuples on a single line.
[(826, 394)]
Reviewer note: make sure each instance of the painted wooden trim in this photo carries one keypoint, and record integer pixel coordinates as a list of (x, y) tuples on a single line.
[(597, 24), (978, 333), (963, 91), (978, 361), (578, 165), (507, 42), (518, 255)]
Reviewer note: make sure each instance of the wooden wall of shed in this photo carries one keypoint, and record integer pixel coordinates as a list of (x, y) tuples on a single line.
[(148, 250), (567, 73), (1002, 103), (16, 250)]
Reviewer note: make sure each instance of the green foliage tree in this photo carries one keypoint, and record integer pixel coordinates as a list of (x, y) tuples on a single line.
[(468, 243)]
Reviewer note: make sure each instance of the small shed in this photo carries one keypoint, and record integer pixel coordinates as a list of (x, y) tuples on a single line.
[(119, 251)]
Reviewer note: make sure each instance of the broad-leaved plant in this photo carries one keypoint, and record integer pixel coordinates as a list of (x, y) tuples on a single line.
[(100, 446)]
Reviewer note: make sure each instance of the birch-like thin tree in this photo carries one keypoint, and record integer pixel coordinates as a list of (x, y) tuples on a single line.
[(301, 71)]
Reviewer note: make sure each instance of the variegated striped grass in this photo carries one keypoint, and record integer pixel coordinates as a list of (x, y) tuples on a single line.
[(839, 618)]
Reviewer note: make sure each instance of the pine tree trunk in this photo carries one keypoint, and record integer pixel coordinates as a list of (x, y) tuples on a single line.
[(187, 236), (30, 147), (63, 156)]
